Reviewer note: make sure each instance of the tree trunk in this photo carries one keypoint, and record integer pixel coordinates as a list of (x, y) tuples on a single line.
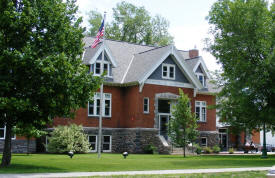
[(184, 151), (28, 146), (6, 159)]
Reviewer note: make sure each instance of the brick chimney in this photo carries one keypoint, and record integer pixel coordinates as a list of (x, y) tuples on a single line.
[(193, 53)]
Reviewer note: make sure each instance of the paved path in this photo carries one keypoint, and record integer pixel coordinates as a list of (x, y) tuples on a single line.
[(182, 171)]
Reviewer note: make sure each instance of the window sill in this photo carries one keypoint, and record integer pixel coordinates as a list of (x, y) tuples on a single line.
[(147, 113), (104, 117)]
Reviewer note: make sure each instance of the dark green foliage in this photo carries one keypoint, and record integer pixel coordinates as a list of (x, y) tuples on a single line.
[(207, 150), (150, 149), (244, 38), (133, 24), (42, 75), (198, 149), (183, 124)]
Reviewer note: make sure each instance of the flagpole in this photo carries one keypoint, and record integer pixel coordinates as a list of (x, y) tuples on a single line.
[(101, 97)]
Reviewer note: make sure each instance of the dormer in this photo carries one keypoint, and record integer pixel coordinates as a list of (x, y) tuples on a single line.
[(99, 63), (201, 72)]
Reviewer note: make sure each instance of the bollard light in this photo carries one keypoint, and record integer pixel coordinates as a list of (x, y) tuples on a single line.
[(125, 154), (71, 154)]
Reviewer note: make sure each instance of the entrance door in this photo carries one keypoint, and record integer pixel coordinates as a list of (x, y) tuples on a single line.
[(163, 125), (223, 139)]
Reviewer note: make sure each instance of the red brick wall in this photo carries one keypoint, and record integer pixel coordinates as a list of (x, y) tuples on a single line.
[(127, 108)]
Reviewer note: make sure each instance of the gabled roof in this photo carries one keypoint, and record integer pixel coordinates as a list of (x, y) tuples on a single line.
[(135, 63)]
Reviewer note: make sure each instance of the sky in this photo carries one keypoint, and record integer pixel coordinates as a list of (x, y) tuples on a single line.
[(187, 20)]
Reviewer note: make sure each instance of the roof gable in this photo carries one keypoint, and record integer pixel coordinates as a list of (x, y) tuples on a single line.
[(200, 65)]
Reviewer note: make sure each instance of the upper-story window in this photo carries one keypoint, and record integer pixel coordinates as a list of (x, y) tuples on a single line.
[(94, 106), (201, 78), (168, 71), (201, 110), (3, 132), (100, 67)]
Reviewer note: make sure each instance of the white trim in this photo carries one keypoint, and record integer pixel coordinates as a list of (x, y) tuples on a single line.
[(204, 68), (124, 76), (95, 150), (99, 51), (110, 150), (203, 79), (168, 66), (102, 68), (141, 87), (169, 83), (95, 105), (201, 106), (205, 141), (148, 105), (181, 64), (3, 138)]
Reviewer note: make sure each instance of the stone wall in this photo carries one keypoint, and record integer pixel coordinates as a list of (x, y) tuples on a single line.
[(212, 138), (132, 140), (20, 146)]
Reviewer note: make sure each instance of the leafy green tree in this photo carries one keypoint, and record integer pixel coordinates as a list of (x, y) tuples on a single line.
[(42, 75), (133, 24), (28, 131), (68, 138), (244, 38), (183, 124)]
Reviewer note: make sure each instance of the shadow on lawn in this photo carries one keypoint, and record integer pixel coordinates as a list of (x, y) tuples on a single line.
[(23, 168)]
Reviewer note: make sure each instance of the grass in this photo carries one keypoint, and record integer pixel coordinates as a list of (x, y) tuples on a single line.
[(248, 174), (38, 163)]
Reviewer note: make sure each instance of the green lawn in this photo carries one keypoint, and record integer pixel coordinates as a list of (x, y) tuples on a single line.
[(35, 163), (248, 174)]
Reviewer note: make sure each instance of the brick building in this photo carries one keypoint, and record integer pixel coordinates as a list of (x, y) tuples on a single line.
[(141, 86)]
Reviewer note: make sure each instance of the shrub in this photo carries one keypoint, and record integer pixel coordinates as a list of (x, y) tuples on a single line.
[(216, 149), (150, 149), (198, 149), (231, 150), (68, 138), (207, 150)]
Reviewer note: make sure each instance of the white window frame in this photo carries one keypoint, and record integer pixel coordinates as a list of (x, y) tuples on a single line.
[(203, 79), (108, 74), (96, 97), (96, 141), (148, 105), (169, 66), (3, 138), (110, 150), (205, 141), (201, 104)]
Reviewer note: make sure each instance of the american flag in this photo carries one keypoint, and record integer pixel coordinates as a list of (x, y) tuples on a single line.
[(99, 34)]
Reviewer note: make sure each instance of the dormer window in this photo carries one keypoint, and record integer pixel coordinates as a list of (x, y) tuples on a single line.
[(98, 69), (201, 78), (168, 71)]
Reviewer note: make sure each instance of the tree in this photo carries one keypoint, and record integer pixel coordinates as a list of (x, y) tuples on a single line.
[(28, 131), (42, 75), (244, 38), (133, 24), (68, 138), (183, 124)]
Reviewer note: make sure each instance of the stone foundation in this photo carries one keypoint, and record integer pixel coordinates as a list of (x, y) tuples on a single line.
[(19, 146), (132, 140), (212, 138)]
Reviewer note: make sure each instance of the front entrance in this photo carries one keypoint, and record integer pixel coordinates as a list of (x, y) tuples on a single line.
[(223, 139), (163, 125)]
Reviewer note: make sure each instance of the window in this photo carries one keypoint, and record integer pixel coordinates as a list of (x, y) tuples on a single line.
[(201, 110), (3, 132), (168, 71), (201, 78), (146, 105), (99, 69), (203, 141), (93, 143), (94, 106), (107, 143)]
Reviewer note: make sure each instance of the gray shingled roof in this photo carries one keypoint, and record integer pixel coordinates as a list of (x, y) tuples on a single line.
[(143, 58)]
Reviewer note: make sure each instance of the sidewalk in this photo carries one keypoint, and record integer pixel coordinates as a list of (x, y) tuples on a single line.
[(182, 171)]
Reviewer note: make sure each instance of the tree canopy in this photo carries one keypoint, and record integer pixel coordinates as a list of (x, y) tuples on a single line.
[(244, 38), (133, 24), (42, 75)]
